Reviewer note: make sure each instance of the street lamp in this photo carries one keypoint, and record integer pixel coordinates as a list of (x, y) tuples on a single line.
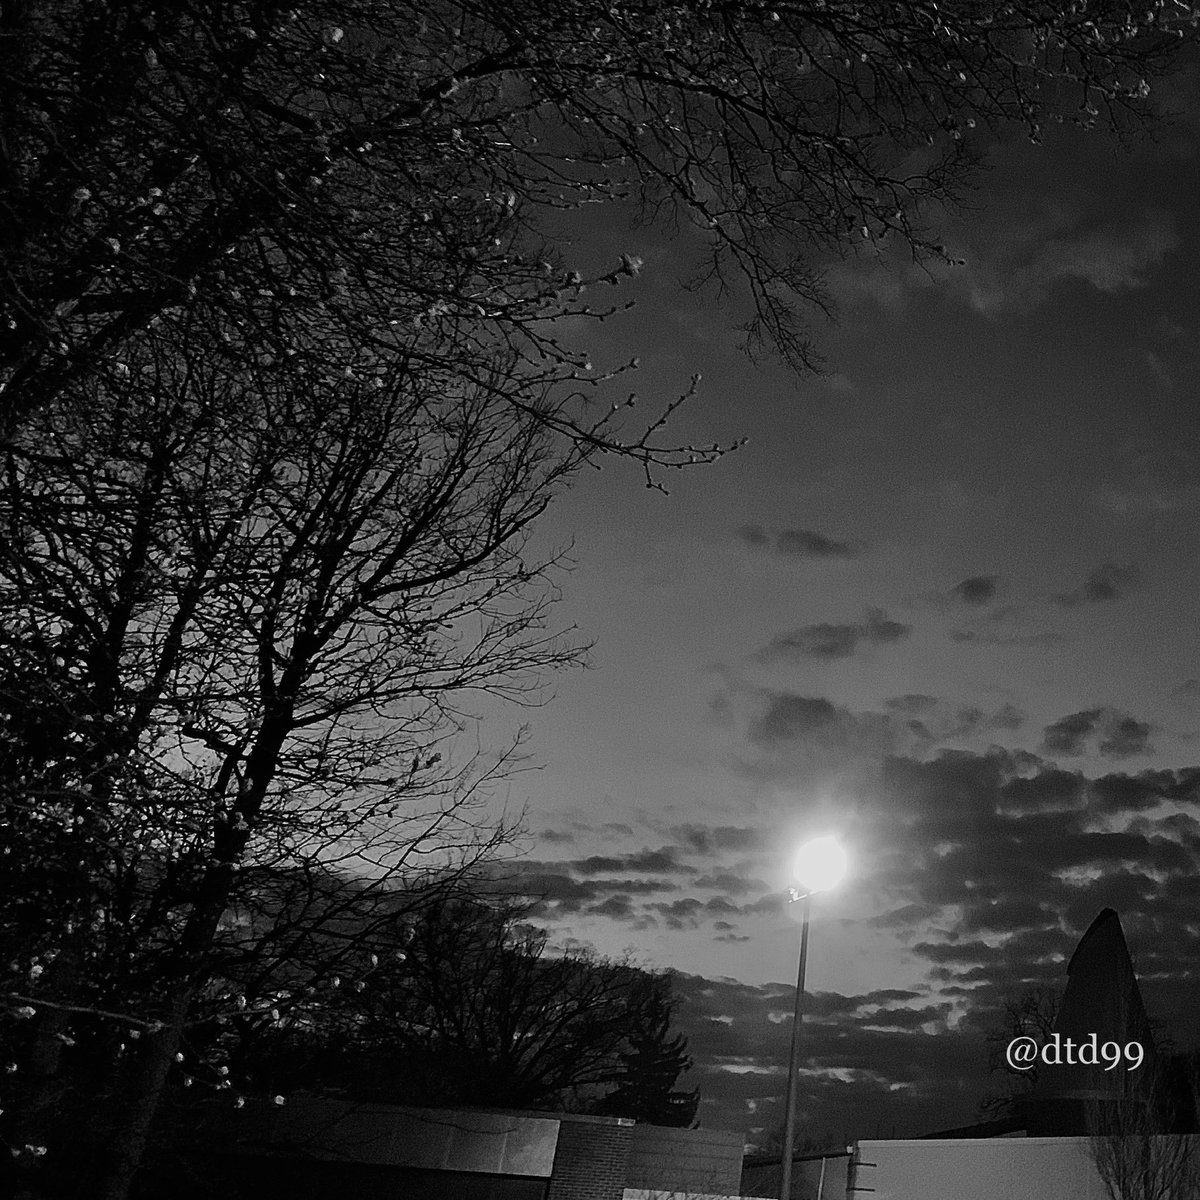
[(819, 865)]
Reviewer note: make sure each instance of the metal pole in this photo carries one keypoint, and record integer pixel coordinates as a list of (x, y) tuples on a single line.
[(789, 1118)]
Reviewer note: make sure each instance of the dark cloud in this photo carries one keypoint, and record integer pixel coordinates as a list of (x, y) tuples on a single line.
[(834, 1004), (977, 589), (1069, 734), (754, 535), (1007, 717), (634, 888), (895, 1046), (806, 543), (1126, 793), (907, 916), (665, 859), (1005, 915), (711, 840), (551, 888), (690, 912), (684, 913), (795, 726), (1110, 582), (826, 640), (1120, 735), (1046, 791), (798, 543), (555, 835), (1014, 857), (1124, 737), (1106, 582), (619, 908), (906, 1019), (789, 717), (554, 890), (731, 883), (814, 641), (770, 904), (995, 625), (934, 720), (884, 996), (957, 723), (1028, 954)]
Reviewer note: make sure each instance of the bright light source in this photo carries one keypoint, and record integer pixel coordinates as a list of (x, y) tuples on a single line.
[(820, 864)]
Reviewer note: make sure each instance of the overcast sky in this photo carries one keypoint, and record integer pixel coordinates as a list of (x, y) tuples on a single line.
[(944, 604)]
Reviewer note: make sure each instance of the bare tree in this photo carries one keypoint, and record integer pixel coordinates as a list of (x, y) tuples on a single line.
[(1140, 1118), (271, 596), (1032, 1014), (466, 1005), (1138, 1152), (260, 156)]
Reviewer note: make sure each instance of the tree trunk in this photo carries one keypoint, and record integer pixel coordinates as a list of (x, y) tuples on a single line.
[(37, 1120), (149, 1076), (139, 1102)]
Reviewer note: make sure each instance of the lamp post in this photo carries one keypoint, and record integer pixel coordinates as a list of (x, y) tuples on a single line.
[(820, 865)]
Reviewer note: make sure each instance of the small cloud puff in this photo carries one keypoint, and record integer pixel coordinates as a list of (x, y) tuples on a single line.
[(1120, 734), (828, 640), (798, 543), (977, 589), (1107, 582)]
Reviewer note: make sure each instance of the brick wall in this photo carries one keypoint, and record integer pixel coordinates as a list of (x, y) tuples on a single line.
[(590, 1159), (685, 1161)]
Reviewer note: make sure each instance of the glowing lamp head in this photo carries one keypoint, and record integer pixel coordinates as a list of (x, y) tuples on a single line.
[(819, 864)]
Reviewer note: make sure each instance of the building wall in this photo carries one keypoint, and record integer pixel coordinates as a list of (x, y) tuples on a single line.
[(481, 1154), (590, 1159), (677, 1194), (812, 1178), (1036, 1168), (496, 1143), (700, 1161)]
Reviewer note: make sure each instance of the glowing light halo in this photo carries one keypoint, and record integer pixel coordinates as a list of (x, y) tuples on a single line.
[(820, 864)]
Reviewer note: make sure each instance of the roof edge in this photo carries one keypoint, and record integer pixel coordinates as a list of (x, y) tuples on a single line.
[(1102, 918)]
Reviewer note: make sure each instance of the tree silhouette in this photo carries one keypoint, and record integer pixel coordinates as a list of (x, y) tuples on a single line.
[(264, 158), (1031, 1014), (473, 1010), (652, 1066)]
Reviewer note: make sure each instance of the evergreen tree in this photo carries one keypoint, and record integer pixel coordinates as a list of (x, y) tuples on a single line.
[(652, 1065)]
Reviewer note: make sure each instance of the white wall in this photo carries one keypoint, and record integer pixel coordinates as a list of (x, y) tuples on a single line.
[(977, 1169)]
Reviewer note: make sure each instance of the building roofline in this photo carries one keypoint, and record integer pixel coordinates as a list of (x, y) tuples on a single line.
[(1102, 918)]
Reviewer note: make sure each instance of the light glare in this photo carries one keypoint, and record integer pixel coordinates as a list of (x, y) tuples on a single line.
[(820, 864)]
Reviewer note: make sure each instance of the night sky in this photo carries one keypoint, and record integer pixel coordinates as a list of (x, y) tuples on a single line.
[(943, 604)]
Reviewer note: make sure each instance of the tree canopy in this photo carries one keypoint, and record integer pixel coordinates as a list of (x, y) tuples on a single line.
[(385, 168), (462, 1004)]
